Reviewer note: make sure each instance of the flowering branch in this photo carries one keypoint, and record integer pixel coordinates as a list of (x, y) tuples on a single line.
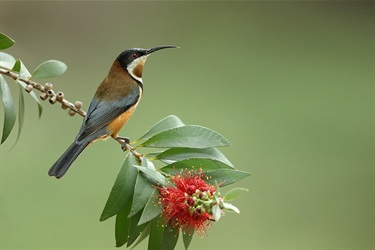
[(181, 196)]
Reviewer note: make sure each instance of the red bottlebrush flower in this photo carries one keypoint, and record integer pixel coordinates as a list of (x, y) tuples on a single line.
[(188, 204)]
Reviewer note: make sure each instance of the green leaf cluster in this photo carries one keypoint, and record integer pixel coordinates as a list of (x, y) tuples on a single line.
[(8, 63), (134, 196)]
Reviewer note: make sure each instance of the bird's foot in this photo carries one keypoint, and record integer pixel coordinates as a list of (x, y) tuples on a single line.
[(125, 145), (124, 141)]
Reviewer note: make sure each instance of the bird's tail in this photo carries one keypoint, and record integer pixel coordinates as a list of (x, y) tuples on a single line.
[(65, 161)]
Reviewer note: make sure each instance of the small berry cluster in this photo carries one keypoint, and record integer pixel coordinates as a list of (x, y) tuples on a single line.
[(59, 97)]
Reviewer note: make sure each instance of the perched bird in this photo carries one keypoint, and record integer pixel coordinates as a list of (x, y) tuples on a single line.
[(113, 104)]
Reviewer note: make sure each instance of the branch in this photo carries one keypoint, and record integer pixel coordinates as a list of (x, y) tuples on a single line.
[(47, 92)]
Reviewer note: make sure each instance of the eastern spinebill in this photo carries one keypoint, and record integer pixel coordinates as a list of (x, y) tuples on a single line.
[(111, 107)]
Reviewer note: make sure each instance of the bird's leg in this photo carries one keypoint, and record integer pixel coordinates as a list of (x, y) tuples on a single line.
[(124, 141), (125, 145)]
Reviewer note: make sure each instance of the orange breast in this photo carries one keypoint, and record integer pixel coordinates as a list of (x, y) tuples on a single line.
[(115, 125)]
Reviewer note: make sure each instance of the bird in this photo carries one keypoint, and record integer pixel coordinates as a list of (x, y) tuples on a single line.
[(113, 104)]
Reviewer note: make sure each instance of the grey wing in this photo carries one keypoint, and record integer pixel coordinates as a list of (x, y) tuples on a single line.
[(101, 113)]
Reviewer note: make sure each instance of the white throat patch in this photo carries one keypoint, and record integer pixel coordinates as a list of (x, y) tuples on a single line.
[(140, 61)]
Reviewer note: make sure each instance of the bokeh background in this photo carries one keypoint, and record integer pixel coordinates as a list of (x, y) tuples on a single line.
[(290, 84)]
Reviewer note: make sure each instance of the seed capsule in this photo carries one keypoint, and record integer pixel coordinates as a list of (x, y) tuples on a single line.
[(78, 104), (43, 96), (71, 112), (48, 86), (60, 96), (50, 92), (52, 100), (29, 88)]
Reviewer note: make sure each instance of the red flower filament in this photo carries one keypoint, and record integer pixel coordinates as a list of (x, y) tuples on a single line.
[(188, 204)]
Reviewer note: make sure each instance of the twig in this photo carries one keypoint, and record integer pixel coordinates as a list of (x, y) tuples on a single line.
[(47, 92), (134, 153)]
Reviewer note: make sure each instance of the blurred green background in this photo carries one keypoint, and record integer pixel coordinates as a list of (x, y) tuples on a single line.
[(290, 84)]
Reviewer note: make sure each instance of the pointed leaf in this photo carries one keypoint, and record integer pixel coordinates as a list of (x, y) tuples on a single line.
[(230, 207), (195, 163), (19, 67), (148, 163), (122, 190), (135, 230), (187, 237), (50, 69), (234, 193), (166, 123), (9, 110), (170, 238), (33, 95), (21, 113), (177, 154), (143, 191), (152, 209), (122, 226), (6, 60), (144, 234), (156, 235), (154, 174), (5, 41), (189, 136), (225, 176)]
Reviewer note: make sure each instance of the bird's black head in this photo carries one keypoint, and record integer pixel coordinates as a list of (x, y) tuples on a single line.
[(128, 56), (133, 60)]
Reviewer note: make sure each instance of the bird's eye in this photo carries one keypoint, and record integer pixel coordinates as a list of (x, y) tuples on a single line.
[(134, 55)]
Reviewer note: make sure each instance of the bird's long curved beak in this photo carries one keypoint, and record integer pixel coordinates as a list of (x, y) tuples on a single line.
[(149, 51)]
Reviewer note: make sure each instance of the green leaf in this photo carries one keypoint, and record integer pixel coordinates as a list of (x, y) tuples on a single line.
[(152, 208), (154, 174), (177, 154), (170, 238), (5, 41), (135, 231), (148, 163), (234, 193), (9, 110), (50, 69), (230, 207), (122, 190), (187, 237), (34, 96), (216, 211), (143, 191), (156, 235), (166, 123), (189, 136), (6, 60), (122, 226), (144, 234), (195, 163), (21, 113), (225, 176), (19, 67)]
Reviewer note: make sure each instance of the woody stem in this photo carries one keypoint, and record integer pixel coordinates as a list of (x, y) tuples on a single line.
[(46, 91)]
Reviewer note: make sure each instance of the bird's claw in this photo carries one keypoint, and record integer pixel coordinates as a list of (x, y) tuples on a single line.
[(124, 141)]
